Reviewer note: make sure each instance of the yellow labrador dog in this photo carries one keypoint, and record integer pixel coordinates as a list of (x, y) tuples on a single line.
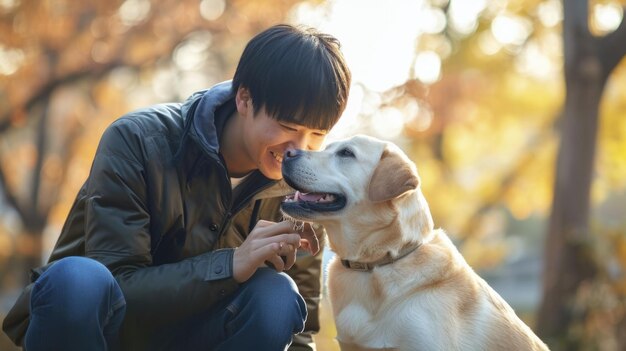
[(398, 283)]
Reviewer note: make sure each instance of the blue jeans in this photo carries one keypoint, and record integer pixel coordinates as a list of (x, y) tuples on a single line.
[(263, 314), (77, 305)]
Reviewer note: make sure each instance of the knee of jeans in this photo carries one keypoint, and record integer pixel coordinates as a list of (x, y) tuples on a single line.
[(276, 296), (76, 279)]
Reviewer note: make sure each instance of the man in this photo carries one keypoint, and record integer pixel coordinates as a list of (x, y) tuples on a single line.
[(161, 251)]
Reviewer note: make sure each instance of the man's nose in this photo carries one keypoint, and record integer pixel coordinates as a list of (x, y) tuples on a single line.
[(300, 142)]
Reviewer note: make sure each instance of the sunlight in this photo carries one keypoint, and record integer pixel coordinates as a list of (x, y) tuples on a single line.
[(388, 122), (488, 44), (427, 67), (8, 5), (539, 58), (133, 12), (378, 45), (550, 13), (349, 121), (10, 60), (211, 10), (606, 17), (432, 20), (380, 48), (509, 29), (192, 53), (464, 15), (422, 117)]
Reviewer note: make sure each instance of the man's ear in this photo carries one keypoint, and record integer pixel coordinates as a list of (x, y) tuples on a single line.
[(392, 177), (243, 100)]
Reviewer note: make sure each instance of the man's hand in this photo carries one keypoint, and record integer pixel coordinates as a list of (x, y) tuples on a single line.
[(268, 241)]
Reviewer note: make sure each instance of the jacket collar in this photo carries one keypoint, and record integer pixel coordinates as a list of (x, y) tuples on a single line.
[(208, 116)]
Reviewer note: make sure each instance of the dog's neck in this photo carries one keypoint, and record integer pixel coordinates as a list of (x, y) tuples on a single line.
[(358, 241)]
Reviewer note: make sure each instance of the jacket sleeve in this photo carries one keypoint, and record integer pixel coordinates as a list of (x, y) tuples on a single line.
[(117, 233)]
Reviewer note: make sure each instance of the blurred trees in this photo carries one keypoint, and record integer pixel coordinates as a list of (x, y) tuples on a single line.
[(69, 68), (479, 112), (569, 262)]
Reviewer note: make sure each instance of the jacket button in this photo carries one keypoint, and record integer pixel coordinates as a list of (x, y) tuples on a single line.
[(218, 269), (214, 227)]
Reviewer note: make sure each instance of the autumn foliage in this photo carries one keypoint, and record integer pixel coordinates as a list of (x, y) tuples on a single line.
[(484, 123)]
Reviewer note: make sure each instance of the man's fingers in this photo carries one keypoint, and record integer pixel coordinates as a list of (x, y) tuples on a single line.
[(263, 223), (276, 262), (291, 238), (267, 230)]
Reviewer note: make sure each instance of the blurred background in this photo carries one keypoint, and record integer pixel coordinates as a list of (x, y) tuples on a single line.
[(514, 112)]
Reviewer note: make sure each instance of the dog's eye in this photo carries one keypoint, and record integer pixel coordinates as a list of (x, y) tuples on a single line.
[(345, 152)]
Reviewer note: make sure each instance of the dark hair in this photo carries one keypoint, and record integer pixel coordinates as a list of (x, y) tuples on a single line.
[(297, 74)]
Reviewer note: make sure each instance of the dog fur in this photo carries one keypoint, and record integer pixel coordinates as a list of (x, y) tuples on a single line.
[(430, 299)]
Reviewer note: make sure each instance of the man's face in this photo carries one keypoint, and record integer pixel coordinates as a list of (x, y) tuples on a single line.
[(268, 139)]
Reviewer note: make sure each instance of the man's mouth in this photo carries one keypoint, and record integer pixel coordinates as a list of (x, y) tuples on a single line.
[(278, 157)]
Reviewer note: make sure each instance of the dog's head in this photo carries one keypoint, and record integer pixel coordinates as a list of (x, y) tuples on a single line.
[(357, 186)]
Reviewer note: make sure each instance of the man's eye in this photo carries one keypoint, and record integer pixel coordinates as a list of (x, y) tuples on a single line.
[(289, 128), (345, 152)]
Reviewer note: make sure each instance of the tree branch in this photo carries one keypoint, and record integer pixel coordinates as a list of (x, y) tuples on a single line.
[(45, 91), (10, 197), (612, 47), (575, 30), (39, 215)]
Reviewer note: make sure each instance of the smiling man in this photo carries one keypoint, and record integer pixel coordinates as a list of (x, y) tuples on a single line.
[(168, 241)]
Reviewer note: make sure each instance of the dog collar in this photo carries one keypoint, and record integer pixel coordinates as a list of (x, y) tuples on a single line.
[(388, 259)]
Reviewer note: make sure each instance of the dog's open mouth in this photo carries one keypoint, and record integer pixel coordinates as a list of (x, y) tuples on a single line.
[(314, 201)]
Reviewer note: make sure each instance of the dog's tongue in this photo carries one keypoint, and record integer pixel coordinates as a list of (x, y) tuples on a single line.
[(311, 197)]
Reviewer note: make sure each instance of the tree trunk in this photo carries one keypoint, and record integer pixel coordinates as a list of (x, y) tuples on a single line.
[(568, 260)]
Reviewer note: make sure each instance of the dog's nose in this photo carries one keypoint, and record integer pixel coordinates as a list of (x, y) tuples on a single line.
[(292, 153)]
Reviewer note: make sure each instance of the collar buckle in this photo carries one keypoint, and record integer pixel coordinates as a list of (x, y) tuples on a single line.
[(357, 266)]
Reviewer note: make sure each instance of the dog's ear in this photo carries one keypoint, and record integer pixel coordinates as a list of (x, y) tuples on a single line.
[(392, 177)]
